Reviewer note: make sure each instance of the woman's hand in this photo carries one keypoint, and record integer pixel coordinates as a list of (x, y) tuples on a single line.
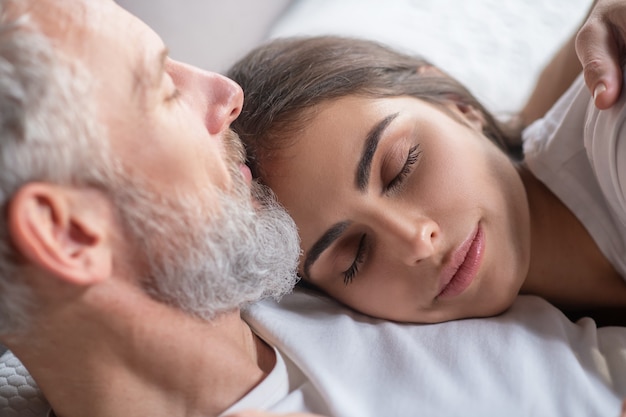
[(600, 47)]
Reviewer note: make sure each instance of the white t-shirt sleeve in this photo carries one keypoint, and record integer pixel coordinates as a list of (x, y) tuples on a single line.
[(605, 142), (578, 152)]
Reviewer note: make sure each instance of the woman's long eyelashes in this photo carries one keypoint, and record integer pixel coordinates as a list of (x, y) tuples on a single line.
[(413, 156), (351, 272)]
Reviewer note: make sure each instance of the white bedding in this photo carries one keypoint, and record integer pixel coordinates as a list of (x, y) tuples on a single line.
[(495, 47), (529, 362)]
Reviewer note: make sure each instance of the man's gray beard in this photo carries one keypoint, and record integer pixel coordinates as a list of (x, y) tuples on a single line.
[(206, 254)]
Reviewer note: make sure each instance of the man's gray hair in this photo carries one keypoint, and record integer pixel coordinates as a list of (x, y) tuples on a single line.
[(48, 133)]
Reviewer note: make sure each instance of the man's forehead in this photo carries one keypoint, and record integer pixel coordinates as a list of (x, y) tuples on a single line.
[(94, 35), (67, 22), (62, 19), (97, 32)]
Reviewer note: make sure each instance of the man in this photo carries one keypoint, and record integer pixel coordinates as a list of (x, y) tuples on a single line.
[(130, 244), (129, 222)]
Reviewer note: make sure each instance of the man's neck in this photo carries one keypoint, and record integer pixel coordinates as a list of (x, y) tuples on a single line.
[(134, 356)]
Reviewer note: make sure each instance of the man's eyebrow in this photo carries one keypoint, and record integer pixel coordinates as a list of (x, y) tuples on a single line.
[(147, 71), (332, 234), (364, 167)]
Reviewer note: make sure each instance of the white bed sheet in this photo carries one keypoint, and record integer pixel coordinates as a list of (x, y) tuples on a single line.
[(529, 362), (495, 47)]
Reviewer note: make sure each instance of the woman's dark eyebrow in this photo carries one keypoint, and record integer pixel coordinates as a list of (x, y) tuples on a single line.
[(361, 179), (332, 234), (364, 167)]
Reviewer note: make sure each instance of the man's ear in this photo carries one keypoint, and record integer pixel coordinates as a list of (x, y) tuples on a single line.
[(64, 231)]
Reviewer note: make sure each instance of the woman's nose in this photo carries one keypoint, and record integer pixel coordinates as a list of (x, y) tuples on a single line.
[(220, 99), (413, 240)]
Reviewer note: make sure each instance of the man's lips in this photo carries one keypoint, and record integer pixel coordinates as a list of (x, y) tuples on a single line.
[(245, 173), (464, 265)]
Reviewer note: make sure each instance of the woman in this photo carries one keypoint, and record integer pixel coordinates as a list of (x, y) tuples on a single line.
[(407, 206)]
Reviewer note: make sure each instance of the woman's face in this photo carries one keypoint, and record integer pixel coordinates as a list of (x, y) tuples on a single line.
[(405, 212)]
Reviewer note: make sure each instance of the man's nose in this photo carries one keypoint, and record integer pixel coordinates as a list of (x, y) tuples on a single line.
[(225, 104), (218, 97)]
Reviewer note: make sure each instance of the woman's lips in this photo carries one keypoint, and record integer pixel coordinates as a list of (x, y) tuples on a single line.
[(464, 265)]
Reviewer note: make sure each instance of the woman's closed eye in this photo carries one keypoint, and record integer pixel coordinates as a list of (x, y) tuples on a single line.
[(412, 158), (353, 270)]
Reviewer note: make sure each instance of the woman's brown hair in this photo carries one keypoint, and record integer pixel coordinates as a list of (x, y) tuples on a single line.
[(284, 80)]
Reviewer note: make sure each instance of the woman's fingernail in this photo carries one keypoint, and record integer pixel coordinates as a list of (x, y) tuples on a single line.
[(600, 88)]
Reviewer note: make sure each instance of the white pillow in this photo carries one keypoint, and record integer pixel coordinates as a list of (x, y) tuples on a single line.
[(495, 47), (209, 34)]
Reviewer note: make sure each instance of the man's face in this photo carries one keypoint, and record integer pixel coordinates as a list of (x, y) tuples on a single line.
[(194, 238), (166, 121)]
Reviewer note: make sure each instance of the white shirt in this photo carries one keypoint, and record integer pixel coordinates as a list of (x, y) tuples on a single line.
[(284, 389), (579, 153)]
